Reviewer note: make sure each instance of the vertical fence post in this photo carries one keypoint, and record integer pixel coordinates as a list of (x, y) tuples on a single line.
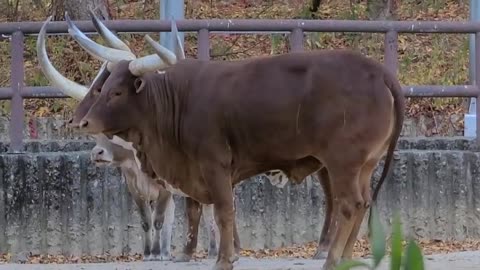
[(471, 41), (471, 118), (391, 51), (17, 77), (477, 82), (171, 9), (203, 52), (296, 40)]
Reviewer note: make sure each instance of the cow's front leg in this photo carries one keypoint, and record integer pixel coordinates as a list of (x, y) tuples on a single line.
[(162, 222), (167, 230), (236, 238), (222, 195), (146, 218), (212, 229), (224, 216), (194, 212)]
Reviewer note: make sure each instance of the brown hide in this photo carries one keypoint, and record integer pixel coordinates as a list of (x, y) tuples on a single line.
[(85, 104), (206, 126), (252, 115)]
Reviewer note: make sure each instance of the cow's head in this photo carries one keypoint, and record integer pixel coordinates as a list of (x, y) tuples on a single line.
[(119, 51), (118, 105), (106, 153), (79, 92), (115, 108)]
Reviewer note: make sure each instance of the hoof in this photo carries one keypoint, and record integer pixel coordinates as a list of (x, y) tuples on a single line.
[(182, 258), (223, 266), (212, 253), (147, 258), (234, 258), (161, 257), (329, 265), (320, 255)]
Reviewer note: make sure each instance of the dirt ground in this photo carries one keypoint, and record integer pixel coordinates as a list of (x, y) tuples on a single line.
[(457, 260)]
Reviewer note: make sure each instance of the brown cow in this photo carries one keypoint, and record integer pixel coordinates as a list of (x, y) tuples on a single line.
[(217, 123), (144, 190), (276, 177)]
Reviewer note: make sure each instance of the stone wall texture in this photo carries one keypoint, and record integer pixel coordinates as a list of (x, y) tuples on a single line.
[(54, 128), (54, 200)]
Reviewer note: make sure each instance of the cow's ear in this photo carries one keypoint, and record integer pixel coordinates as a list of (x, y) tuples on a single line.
[(139, 84)]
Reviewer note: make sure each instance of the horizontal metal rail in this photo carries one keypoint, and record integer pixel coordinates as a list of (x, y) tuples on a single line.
[(295, 29), (39, 92), (253, 25)]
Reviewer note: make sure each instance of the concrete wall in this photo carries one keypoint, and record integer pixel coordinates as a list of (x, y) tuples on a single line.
[(53, 200), (54, 128)]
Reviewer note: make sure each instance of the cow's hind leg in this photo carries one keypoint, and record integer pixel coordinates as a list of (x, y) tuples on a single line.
[(166, 235), (162, 223), (346, 188), (194, 212), (330, 221), (146, 217), (365, 177)]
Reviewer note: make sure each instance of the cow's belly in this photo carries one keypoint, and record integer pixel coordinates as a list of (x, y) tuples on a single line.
[(193, 189), (174, 190)]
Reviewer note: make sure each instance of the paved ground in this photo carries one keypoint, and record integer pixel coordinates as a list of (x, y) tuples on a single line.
[(453, 261)]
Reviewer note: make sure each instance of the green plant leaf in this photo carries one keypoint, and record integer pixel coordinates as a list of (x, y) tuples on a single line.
[(414, 257), (346, 265), (396, 243), (377, 238)]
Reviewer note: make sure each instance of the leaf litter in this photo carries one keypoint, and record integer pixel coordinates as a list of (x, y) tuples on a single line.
[(305, 251)]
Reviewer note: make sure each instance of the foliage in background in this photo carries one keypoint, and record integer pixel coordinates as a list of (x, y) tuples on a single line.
[(410, 258), (423, 58)]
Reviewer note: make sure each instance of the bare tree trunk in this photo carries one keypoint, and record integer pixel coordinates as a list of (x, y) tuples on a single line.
[(78, 9), (315, 5), (381, 9)]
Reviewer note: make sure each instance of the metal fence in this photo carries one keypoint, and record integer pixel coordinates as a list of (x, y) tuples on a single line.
[(17, 30)]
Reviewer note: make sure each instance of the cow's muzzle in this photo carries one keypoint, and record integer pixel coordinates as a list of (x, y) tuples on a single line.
[(97, 156), (83, 124), (71, 124)]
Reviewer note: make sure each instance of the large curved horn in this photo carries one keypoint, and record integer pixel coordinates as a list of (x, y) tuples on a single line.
[(111, 39), (179, 52), (96, 50), (165, 54), (100, 72), (146, 64), (68, 87)]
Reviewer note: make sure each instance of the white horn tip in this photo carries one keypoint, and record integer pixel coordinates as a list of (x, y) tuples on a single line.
[(148, 38)]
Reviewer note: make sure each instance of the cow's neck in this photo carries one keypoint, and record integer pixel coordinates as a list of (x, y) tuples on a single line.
[(163, 106), (161, 130)]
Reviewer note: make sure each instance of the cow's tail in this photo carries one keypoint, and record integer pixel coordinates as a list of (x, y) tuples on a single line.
[(399, 106)]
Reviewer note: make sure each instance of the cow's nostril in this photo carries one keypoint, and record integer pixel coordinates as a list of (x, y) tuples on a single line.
[(70, 121), (100, 152), (83, 123)]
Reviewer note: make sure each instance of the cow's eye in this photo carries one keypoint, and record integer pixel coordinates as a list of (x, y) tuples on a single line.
[(118, 93)]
